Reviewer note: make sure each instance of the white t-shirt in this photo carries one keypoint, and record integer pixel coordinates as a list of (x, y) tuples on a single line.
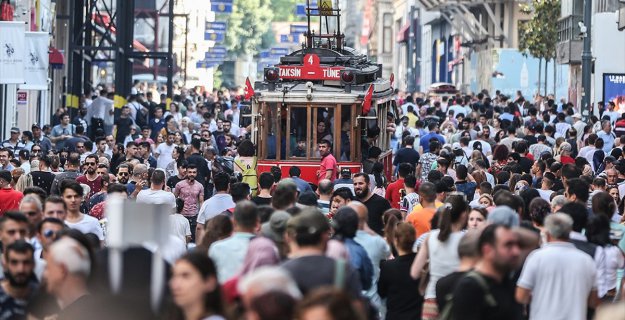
[(215, 205), (164, 155), (180, 226), (545, 194), (87, 224), (558, 292), (156, 197)]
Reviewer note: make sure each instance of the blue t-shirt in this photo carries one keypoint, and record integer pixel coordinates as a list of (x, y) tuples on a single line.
[(425, 140)]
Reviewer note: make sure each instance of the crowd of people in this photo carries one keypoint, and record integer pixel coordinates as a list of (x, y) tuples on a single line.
[(497, 208)]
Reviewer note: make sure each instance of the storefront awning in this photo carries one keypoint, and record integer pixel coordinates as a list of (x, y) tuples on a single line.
[(404, 33)]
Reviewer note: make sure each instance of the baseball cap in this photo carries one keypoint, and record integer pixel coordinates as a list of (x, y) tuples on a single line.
[(504, 215), (346, 172), (309, 221), (15, 130), (275, 227), (35, 126)]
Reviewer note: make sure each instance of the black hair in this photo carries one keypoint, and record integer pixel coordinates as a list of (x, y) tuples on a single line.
[(221, 180), (295, 171), (451, 212), (239, 191), (13, 216), (578, 212), (213, 301), (19, 246), (489, 236), (277, 173), (72, 185), (179, 205), (410, 181), (405, 169), (246, 213), (579, 188), (265, 180)]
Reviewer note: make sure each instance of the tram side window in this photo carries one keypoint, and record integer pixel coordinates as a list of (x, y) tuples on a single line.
[(298, 132), (346, 133)]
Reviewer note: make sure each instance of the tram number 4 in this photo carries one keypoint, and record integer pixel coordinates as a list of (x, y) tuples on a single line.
[(310, 70)]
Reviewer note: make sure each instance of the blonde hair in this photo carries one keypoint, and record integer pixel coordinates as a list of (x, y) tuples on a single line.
[(25, 181)]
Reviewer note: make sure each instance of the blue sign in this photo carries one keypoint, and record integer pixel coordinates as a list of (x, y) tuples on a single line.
[(279, 51), (212, 36), (290, 38), (300, 9), (214, 55), (216, 26), (264, 54), (614, 90), (221, 7), (217, 49), (299, 28)]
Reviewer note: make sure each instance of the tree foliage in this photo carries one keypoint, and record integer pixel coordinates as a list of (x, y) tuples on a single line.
[(248, 22), (284, 10), (539, 35)]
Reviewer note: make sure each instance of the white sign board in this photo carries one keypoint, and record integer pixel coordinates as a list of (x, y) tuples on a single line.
[(12, 55), (36, 61)]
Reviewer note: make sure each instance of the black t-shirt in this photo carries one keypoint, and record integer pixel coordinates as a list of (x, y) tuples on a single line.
[(312, 272), (469, 302), (403, 300), (261, 201), (123, 128), (445, 286), (406, 155), (172, 181), (43, 180), (376, 206), (530, 139), (526, 164)]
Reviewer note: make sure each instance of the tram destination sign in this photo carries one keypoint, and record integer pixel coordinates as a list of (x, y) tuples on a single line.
[(310, 70)]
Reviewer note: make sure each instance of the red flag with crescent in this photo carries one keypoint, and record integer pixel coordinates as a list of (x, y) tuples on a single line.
[(249, 90), (366, 104)]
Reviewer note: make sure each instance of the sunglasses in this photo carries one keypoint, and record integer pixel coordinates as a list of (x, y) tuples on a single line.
[(50, 233), (122, 173), (90, 163), (35, 151)]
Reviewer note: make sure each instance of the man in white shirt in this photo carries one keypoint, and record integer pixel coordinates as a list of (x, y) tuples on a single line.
[(72, 193), (557, 292), (163, 152), (218, 203), (579, 125), (155, 194), (180, 226)]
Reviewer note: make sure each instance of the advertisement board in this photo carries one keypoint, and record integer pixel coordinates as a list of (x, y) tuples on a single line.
[(614, 90)]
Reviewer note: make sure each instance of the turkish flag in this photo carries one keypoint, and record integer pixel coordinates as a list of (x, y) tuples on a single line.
[(249, 90), (366, 104)]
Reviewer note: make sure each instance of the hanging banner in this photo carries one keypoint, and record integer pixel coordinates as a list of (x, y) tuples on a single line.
[(12, 52), (36, 61)]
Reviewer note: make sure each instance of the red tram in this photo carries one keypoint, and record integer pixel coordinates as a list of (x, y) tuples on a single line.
[(318, 93)]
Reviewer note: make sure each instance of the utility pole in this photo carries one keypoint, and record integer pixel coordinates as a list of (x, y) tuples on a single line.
[(586, 61), (410, 77)]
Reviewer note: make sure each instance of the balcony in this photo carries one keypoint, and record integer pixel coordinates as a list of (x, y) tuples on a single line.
[(570, 44)]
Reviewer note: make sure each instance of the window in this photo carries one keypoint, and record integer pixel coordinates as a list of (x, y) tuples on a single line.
[(387, 33)]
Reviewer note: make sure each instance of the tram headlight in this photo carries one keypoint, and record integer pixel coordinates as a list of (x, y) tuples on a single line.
[(347, 79), (272, 75)]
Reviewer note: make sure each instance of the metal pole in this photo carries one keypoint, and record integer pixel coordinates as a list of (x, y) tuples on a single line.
[(170, 56), (586, 61), (410, 53), (418, 43)]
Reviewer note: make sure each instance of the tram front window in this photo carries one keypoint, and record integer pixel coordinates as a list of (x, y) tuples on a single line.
[(298, 132)]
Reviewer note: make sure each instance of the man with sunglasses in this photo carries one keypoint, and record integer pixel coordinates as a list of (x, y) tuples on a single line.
[(47, 232), (71, 172), (90, 177), (40, 140)]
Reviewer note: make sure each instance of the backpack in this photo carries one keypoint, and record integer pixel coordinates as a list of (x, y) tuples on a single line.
[(445, 314), (249, 174), (223, 164)]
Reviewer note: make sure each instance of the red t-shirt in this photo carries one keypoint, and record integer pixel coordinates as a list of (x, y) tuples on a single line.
[(567, 160), (9, 200), (393, 193), (327, 163), (95, 185)]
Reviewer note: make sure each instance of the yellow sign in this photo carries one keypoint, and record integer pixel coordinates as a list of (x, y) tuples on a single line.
[(325, 7)]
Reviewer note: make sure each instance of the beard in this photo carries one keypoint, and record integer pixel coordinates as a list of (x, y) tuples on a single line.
[(361, 194), (123, 180), (90, 171), (20, 280)]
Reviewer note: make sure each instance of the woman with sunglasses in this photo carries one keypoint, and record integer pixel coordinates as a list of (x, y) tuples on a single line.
[(440, 247)]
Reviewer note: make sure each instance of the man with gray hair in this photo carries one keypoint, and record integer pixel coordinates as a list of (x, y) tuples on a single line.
[(267, 279), (607, 135), (558, 292), (66, 277), (32, 208)]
